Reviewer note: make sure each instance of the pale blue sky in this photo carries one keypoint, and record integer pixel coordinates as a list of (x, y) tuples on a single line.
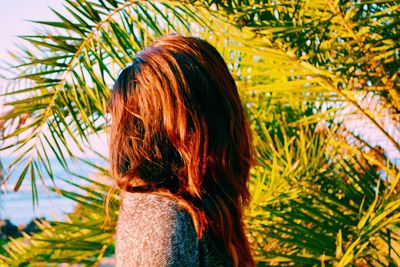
[(13, 16)]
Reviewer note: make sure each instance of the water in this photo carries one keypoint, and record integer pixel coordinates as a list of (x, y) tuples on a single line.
[(18, 206)]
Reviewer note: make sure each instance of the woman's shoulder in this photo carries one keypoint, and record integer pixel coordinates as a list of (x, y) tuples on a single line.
[(135, 202), (152, 231), (151, 210), (143, 207)]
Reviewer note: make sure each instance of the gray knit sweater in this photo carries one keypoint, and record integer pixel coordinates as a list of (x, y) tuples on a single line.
[(152, 232)]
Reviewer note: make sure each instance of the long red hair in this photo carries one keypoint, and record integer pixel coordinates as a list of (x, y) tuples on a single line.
[(179, 128)]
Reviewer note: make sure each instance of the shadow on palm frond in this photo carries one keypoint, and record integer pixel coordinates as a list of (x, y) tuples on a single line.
[(319, 197)]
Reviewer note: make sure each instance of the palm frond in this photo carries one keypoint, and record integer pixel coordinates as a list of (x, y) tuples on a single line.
[(85, 237)]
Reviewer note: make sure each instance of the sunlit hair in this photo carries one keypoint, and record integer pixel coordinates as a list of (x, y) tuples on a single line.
[(179, 127)]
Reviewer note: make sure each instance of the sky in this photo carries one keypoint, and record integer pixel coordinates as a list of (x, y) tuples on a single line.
[(14, 16)]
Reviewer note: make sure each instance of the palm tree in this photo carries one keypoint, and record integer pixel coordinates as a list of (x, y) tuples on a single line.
[(323, 193)]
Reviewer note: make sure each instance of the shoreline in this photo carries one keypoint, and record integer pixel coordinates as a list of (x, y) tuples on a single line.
[(9, 229)]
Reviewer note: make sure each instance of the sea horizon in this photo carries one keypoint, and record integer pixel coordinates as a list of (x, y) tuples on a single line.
[(18, 206)]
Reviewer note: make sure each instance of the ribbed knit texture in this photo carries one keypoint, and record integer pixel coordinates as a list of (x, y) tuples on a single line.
[(152, 231)]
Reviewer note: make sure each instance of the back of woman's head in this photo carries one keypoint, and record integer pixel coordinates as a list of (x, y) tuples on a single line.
[(178, 126)]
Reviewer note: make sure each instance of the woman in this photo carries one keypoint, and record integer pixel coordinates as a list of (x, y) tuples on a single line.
[(180, 150)]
